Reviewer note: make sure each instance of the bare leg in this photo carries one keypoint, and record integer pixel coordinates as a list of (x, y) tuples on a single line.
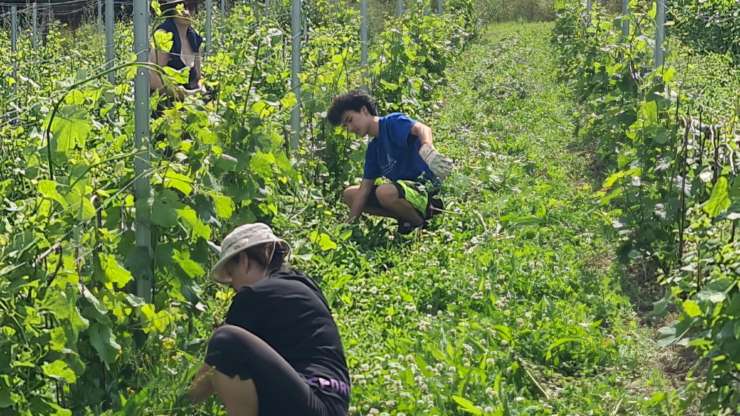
[(238, 396), (399, 208), (349, 195)]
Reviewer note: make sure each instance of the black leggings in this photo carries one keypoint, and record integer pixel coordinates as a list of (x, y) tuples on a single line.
[(281, 391)]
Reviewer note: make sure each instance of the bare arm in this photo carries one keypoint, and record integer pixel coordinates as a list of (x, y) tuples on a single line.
[(423, 132), (358, 204), (160, 58), (196, 66), (201, 388)]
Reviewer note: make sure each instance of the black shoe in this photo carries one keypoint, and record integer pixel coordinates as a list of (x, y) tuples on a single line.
[(435, 207), (406, 228)]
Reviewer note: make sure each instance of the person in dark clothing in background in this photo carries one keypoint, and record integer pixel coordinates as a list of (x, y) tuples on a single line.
[(279, 352), (185, 49)]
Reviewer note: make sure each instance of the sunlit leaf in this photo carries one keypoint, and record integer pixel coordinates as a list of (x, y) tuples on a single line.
[(115, 274), (691, 308), (191, 267), (104, 342), (719, 201), (59, 370)]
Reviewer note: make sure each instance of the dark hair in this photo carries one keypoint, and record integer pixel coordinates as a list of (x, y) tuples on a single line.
[(169, 7), (264, 254), (354, 101)]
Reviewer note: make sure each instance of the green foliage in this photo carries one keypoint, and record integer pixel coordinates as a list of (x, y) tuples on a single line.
[(671, 174), (526, 10), (707, 25)]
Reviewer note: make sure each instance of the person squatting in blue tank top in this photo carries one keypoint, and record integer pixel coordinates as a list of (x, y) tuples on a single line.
[(403, 171)]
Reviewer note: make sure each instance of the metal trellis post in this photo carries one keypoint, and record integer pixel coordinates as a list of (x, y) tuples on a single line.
[(439, 6), (295, 115), (625, 13), (34, 25), (659, 33), (209, 28), (13, 40), (109, 51), (142, 164), (399, 7), (100, 15), (363, 32)]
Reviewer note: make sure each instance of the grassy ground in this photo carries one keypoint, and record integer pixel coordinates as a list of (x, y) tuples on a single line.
[(510, 303)]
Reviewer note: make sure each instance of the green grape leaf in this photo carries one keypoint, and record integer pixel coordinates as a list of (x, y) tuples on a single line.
[(261, 164), (70, 128), (164, 208), (194, 224), (181, 76), (163, 40), (115, 274), (59, 370), (223, 205), (288, 101), (58, 339), (691, 308), (178, 181), (48, 189), (323, 240), (191, 268), (719, 201), (104, 342)]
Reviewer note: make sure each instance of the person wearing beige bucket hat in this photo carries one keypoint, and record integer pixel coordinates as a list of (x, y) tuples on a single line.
[(279, 352)]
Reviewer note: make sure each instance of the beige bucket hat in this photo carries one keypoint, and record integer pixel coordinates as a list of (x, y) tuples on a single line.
[(243, 237)]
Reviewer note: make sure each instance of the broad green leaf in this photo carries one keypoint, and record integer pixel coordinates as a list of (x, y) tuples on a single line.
[(48, 189), (668, 74), (667, 336), (613, 178), (79, 203), (288, 101), (648, 112), (70, 128), (197, 228), (261, 164), (467, 406), (59, 370), (178, 181), (206, 135), (164, 209), (181, 76), (191, 268), (148, 311), (162, 40), (323, 240), (104, 342), (56, 302), (719, 201), (691, 308), (223, 205), (115, 274), (155, 8), (58, 339)]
